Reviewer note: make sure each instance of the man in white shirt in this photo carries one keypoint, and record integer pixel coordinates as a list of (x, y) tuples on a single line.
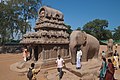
[(78, 62), (60, 62)]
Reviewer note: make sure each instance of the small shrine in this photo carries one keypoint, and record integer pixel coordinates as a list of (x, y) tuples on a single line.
[(50, 37)]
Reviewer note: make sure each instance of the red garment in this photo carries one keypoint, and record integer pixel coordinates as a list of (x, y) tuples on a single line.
[(110, 72)]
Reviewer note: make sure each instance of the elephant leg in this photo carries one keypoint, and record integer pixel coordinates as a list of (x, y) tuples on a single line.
[(84, 55), (73, 55), (96, 53)]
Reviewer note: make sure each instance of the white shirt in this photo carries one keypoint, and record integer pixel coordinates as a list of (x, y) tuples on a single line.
[(103, 54), (59, 63), (79, 54)]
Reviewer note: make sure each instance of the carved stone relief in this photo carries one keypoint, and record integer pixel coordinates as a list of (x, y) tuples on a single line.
[(51, 31)]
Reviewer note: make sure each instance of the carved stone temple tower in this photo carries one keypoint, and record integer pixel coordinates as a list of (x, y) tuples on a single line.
[(50, 37)]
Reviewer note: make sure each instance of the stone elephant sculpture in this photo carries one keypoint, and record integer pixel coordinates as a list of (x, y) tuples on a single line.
[(109, 48), (88, 44), (110, 45)]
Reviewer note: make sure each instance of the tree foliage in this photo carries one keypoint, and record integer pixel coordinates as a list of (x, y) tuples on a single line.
[(79, 28), (69, 29), (106, 34), (15, 16), (116, 35), (97, 29)]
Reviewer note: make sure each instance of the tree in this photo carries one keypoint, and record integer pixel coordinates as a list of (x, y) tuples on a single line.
[(4, 22), (79, 28), (97, 28), (116, 35), (26, 10), (15, 16), (69, 29), (106, 34)]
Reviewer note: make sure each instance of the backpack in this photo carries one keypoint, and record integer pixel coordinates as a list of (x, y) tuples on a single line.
[(29, 74)]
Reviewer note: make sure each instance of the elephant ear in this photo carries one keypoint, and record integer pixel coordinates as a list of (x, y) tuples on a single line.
[(84, 35)]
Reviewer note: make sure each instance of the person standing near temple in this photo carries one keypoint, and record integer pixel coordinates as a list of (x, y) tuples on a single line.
[(60, 63), (25, 54), (78, 60)]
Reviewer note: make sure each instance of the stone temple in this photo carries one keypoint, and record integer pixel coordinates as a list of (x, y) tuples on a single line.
[(50, 37)]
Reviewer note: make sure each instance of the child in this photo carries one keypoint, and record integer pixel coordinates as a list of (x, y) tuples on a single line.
[(34, 72)]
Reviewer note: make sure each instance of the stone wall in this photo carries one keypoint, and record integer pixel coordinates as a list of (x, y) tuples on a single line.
[(11, 49)]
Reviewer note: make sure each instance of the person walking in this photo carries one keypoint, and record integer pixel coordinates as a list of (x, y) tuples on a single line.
[(60, 63), (78, 61), (110, 71), (103, 69), (32, 74)]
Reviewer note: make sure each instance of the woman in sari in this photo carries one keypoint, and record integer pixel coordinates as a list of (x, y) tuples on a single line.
[(103, 68), (110, 71)]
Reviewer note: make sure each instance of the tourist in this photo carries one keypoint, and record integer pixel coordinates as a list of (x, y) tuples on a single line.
[(116, 60), (103, 69), (116, 45), (25, 54), (78, 61), (34, 72), (110, 71), (60, 63), (103, 54)]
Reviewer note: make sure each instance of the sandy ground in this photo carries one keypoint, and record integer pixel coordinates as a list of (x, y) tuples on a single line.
[(6, 74), (7, 59)]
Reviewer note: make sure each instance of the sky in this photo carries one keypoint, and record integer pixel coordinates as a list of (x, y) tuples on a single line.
[(79, 12)]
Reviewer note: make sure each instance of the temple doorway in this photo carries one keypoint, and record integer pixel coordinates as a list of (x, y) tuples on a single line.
[(36, 53)]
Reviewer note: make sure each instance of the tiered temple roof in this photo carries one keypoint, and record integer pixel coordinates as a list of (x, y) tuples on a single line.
[(49, 29)]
